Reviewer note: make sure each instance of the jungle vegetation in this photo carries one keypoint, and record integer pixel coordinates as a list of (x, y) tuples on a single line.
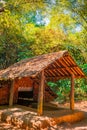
[(34, 27)]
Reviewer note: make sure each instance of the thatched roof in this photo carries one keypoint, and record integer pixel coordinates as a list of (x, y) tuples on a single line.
[(56, 65)]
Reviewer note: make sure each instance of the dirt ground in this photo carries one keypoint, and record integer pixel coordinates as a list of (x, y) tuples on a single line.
[(82, 125)]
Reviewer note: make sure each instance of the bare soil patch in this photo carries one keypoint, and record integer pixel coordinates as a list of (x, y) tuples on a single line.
[(53, 112)]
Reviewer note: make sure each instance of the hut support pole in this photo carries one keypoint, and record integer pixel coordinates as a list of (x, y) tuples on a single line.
[(41, 94), (72, 93), (11, 94)]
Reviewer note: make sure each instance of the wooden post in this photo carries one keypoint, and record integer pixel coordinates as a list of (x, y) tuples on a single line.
[(11, 93), (72, 93), (41, 94)]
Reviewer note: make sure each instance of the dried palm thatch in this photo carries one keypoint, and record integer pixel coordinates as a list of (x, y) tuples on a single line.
[(56, 65)]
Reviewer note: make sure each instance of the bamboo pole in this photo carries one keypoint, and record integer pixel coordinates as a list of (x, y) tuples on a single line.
[(72, 93), (41, 94), (11, 93)]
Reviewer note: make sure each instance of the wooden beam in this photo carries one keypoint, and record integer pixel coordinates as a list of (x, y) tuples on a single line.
[(59, 68), (41, 94), (72, 93), (11, 93)]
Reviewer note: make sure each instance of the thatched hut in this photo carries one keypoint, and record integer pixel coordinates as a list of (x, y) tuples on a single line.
[(25, 91), (33, 73)]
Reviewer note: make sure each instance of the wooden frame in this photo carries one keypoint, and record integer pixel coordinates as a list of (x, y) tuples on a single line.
[(41, 94), (72, 93), (52, 66), (11, 96)]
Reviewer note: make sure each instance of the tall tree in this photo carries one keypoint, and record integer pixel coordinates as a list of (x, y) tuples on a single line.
[(30, 27)]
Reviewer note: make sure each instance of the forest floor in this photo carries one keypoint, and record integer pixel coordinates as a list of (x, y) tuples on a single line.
[(81, 125)]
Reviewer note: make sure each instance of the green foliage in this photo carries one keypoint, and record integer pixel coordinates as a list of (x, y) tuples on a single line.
[(44, 41), (81, 89), (62, 89), (11, 40), (29, 28), (84, 68), (10, 36), (24, 52), (25, 22)]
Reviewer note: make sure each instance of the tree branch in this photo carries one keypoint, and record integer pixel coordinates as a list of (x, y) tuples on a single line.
[(1, 10)]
